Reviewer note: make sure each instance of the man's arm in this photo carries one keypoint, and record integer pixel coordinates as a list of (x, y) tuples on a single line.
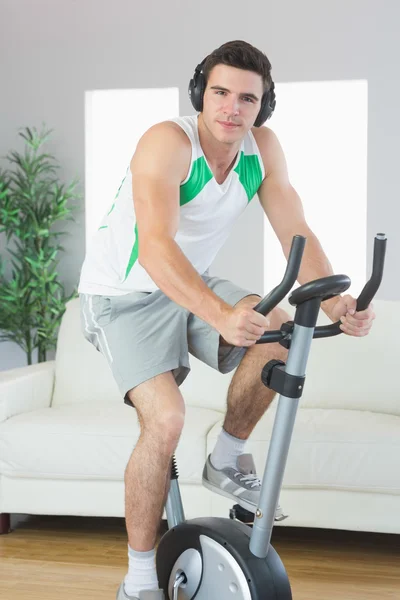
[(158, 167), (284, 210)]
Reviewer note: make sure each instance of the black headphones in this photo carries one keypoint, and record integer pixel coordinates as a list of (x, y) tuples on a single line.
[(197, 86)]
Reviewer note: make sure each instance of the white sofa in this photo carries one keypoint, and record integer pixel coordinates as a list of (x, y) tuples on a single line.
[(66, 435)]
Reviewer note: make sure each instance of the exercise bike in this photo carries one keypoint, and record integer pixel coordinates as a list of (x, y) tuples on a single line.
[(225, 558)]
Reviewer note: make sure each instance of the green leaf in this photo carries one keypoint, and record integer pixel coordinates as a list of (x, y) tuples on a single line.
[(33, 201)]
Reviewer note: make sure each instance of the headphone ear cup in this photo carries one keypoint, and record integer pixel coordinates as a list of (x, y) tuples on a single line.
[(268, 104), (196, 90)]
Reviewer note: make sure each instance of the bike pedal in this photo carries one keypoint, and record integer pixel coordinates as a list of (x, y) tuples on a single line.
[(246, 516), (241, 514), (281, 517)]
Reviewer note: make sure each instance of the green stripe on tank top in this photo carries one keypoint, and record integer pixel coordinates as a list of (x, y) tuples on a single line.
[(134, 254), (199, 177), (250, 174), (117, 194)]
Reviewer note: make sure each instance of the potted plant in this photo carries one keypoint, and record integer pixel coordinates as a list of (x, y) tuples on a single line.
[(32, 202)]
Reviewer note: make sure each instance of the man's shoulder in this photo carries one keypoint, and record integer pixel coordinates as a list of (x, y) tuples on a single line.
[(167, 130), (164, 137), (268, 145), (264, 137), (164, 147)]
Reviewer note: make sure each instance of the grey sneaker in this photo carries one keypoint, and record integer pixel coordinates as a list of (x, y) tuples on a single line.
[(240, 485), (144, 595)]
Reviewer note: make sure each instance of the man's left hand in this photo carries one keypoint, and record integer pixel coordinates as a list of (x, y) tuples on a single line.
[(352, 323)]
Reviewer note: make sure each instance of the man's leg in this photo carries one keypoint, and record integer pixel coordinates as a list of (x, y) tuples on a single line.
[(248, 399), (161, 411)]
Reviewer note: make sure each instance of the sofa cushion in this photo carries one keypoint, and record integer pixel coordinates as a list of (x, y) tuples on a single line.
[(334, 449), (357, 373), (82, 373), (91, 441)]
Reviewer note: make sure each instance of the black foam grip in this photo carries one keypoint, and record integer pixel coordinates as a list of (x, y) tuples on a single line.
[(292, 270), (369, 290), (372, 286)]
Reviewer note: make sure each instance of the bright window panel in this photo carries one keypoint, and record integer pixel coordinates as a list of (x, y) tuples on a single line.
[(114, 122), (322, 127)]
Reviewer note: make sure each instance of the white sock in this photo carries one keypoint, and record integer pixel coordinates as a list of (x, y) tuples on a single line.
[(226, 450), (142, 574)]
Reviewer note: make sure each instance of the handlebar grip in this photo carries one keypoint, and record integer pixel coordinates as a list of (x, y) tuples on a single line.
[(292, 270), (369, 290), (372, 286)]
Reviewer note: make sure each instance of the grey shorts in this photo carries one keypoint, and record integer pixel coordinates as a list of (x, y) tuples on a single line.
[(144, 334)]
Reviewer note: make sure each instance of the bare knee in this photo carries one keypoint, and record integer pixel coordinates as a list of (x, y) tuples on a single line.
[(165, 429), (278, 316), (161, 411), (261, 352)]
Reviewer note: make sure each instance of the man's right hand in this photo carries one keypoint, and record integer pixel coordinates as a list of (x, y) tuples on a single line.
[(242, 325)]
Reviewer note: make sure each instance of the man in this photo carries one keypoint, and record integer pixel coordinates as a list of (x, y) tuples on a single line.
[(147, 298)]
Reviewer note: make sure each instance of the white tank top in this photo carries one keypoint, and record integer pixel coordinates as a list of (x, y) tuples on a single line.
[(208, 211)]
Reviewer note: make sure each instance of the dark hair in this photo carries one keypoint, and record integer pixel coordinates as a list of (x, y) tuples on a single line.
[(241, 55)]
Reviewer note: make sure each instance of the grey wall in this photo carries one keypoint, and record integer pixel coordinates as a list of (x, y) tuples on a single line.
[(51, 51)]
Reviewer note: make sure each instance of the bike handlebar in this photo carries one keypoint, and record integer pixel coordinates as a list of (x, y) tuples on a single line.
[(367, 293), (289, 279), (372, 286), (279, 292)]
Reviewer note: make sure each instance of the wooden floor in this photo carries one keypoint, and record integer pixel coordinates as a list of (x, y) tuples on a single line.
[(60, 558)]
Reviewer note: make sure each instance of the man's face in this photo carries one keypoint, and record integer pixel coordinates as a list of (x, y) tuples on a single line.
[(232, 100)]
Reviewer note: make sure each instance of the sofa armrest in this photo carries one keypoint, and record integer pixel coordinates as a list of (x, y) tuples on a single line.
[(26, 388)]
